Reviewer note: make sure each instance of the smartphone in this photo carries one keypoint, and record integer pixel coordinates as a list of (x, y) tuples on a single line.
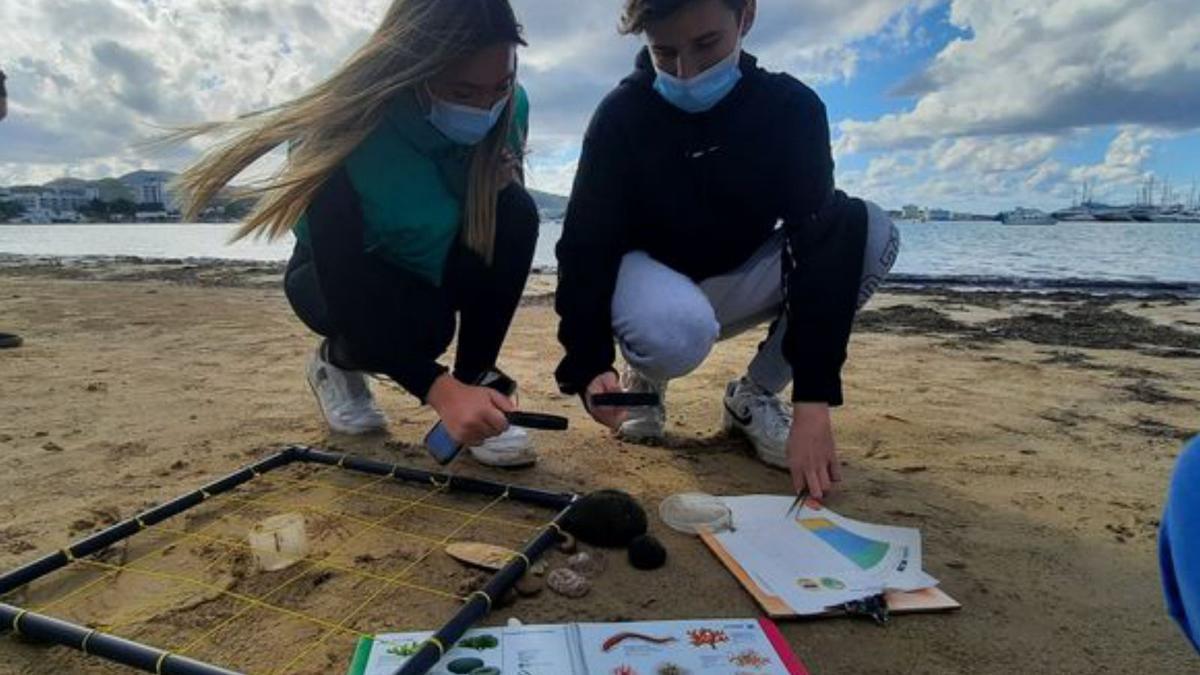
[(441, 446), (439, 443)]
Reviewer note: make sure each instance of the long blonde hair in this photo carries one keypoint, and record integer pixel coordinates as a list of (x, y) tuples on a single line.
[(417, 39)]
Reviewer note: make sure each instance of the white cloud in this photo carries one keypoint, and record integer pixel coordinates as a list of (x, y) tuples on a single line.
[(1050, 67), (90, 79), (1031, 78)]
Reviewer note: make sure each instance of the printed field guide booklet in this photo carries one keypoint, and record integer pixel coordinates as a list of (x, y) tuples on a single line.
[(814, 561), (716, 647)]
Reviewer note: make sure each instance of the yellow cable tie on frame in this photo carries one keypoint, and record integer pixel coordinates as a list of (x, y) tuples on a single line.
[(68, 554), (161, 660), (486, 598), (522, 556), (16, 624), (83, 646), (440, 647)]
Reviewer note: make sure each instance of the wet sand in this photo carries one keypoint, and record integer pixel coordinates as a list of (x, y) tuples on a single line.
[(1029, 437)]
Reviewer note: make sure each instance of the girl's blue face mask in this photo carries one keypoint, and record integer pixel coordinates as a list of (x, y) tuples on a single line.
[(704, 91), (464, 124)]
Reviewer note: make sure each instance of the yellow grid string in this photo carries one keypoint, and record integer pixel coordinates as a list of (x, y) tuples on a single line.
[(323, 564), (351, 517), (252, 602), (314, 564), (248, 599), (408, 568), (246, 504), (399, 511), (429, 507), (42, 609)]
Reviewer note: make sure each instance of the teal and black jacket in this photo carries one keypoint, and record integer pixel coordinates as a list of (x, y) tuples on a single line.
[(411, 183), (382, 235)]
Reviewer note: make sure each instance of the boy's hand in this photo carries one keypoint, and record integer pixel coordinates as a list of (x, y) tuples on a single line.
[(812, 453), (605, 383)]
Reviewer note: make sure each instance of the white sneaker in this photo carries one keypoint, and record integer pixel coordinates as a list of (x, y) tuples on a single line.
[(764, 419), (645, 423), (344, 398), (509, 450)]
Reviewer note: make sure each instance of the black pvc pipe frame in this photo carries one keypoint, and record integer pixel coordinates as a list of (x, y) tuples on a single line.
[(150, 659)]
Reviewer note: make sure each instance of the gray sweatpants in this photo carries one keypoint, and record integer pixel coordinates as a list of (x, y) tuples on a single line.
[(666, 324)]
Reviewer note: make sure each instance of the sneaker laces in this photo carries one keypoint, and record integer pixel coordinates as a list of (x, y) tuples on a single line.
[(356, 386), (779, 418), (638, 383)]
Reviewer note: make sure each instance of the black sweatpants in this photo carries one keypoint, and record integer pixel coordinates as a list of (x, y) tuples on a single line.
[(380, 318)]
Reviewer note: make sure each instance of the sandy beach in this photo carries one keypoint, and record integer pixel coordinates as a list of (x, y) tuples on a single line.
[(1029, 437)]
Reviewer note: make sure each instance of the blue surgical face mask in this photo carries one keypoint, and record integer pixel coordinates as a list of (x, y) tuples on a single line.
[(704, 91), (462, 123)]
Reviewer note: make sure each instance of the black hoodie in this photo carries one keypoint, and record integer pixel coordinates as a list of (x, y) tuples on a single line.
[(701, 193)]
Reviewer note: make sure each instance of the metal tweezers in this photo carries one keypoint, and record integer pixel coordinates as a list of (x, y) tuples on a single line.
[(798, 505)]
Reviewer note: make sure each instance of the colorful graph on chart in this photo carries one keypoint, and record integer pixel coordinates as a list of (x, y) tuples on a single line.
[(864, 552)]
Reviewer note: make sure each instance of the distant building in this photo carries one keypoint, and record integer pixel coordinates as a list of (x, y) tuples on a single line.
[(147, 187), (47, 204), (911, 212), (937, 215)]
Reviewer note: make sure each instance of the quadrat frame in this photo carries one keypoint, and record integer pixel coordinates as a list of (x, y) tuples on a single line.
[(151, 659)]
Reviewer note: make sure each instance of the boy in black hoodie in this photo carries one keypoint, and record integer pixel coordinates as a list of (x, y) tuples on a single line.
[(703, 206)]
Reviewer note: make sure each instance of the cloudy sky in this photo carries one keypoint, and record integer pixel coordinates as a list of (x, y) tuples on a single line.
[(970, 104)]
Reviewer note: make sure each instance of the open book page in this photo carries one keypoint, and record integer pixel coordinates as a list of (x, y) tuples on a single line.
[(535, 650), (541, 650), (714, 647)]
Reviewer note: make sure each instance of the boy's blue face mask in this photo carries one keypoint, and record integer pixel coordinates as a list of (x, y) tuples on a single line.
[(704, 91), (463, 124)]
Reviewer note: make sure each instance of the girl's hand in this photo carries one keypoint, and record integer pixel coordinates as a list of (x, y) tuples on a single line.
[(605, 383), (471, 414)]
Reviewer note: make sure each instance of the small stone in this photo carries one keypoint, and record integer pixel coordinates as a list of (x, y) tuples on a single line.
[(589, 564), (956, 565), (529, 586), (52, 447), (647, 553), (568, 582), (539, 568), (568, 545)]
